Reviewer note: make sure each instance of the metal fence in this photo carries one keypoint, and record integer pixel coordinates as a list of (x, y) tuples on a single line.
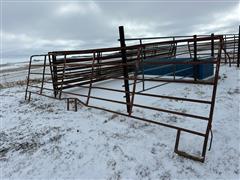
[(67, 70)]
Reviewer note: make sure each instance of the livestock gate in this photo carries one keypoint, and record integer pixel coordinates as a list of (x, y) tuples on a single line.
[(86, 77)]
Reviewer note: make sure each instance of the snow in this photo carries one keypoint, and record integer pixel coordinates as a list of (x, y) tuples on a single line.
[(41, 139)]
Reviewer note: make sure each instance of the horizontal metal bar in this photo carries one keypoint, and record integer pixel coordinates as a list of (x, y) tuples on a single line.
[(190, 156), (39, 65), (131, 47), (175, 98), (39, 73), (41, 88), (43, 95), (150, 121), (172, 112), (135, 117), (147, 107), (38, 55), (151, 95), (170, 80)]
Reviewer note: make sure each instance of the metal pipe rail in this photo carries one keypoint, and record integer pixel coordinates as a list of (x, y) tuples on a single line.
[(83, 69), (231, 44)]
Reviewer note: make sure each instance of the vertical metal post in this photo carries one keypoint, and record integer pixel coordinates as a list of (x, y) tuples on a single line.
[(177, 141), (225, 49), (142, 66), (28, 77), (68, 104), (51, 71), (63, 76), (54, 79), (29, 96), (75, 104), (98, 64), (125, 68), (195, 67), (174, 54), (43, 75), (238, 53), (137, 63), (212, 45), (234, 47), (214, 91), (91, 78)]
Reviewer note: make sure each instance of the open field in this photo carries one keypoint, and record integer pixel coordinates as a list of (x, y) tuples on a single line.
[(41, 139)]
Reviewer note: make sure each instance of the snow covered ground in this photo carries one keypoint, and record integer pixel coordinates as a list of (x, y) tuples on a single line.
[(41, 139)]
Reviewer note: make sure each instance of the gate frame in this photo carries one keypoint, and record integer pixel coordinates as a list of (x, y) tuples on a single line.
[(129, 102)]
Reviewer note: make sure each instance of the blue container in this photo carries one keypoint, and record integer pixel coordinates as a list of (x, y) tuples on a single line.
[(205, 71), (186, 70)]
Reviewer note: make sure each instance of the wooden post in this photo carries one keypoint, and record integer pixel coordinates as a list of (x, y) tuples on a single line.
[(125, 68)]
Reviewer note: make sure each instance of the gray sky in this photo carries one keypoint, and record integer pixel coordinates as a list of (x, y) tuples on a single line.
[(35, 27)]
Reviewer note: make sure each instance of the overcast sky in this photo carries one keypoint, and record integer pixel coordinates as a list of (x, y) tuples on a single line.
[(36, 27)]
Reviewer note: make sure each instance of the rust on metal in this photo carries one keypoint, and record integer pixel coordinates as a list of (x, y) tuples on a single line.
[(85, 68)]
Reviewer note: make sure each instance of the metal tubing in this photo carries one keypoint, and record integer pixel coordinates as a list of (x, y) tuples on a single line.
[(68, 104), (75, 104), (153, 95), (54, 74), (29, 70), (195, 68), (134, 82), (177, 141), (238, 53), (125, 69), (150, 121), (170, 80), (43, 73), (91, 79), (62, 78), (234, 47), (212, 45), (214, 91), (29, 96), (225, 47), (172, 112), (125, 62), (55, 53)]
